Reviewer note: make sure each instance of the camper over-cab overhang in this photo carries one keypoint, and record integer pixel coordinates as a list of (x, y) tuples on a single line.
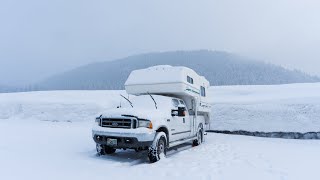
[(178, 81)]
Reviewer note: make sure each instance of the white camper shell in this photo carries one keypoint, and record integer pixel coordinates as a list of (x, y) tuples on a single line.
[(180, 82)]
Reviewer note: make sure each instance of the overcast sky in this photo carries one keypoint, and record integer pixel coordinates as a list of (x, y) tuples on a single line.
[(39, 38)]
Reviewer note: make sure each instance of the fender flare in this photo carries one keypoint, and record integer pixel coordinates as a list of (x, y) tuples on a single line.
[(200, 126), (165, 130)]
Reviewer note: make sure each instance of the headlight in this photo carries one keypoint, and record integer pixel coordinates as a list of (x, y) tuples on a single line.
[(97, 120), (145, 123)]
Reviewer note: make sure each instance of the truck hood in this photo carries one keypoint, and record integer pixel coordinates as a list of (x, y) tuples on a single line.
[(142, 113)]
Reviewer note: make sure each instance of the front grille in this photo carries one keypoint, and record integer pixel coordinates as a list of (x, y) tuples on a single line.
[(118, 123)]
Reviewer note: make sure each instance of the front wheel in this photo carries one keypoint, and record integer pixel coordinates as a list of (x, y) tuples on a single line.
[(158, 147), (109, 150), (103, 149), (199, 139)]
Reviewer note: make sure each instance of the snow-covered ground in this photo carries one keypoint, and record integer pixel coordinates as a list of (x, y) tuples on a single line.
[(288, 108), (47, 135), (62, 150)]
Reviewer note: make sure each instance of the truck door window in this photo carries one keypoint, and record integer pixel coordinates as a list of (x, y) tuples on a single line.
[(181, 102), (175, 102)]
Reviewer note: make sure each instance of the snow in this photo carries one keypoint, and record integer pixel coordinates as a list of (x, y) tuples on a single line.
[(165, 79), (287, 108), (62, 150), (157, 74), (47, 135), (58, 105)]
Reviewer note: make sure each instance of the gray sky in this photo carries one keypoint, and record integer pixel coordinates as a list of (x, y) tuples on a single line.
[(41, 37)]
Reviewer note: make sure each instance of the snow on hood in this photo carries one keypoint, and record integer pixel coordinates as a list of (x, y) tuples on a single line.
[(147, 113), (143, 107)]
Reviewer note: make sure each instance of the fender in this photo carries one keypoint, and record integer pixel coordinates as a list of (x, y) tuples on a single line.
[(164, 129)]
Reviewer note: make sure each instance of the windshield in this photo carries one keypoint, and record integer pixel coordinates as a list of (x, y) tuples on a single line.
[(146, 102)]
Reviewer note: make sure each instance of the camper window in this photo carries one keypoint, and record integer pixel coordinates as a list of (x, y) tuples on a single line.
[(175, 102), (190, 80), (203, 91), (181, 102)]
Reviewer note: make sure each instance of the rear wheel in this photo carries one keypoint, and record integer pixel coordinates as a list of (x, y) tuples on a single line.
[(159, 147)]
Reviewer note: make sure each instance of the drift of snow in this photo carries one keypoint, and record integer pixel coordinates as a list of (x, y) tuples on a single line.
[(290, 108), (287, 108)]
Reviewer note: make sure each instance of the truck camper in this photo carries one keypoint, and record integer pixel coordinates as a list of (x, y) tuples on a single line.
[(167, 106)]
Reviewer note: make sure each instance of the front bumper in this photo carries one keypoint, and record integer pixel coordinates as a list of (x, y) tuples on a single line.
[(126, 138)]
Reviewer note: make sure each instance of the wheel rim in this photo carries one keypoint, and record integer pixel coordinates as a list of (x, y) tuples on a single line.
[(161, 146), (199, 137), (99, 148)]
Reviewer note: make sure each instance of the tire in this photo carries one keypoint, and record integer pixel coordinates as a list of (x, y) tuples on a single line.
[(158, 147), (100, 149), (136, 150), (103, 149), (109, 150), (199, 139)]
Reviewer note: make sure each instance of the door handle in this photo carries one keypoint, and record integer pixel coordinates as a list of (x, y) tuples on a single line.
[(184, 120)]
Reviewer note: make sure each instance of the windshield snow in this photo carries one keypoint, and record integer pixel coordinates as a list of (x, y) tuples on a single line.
[(145, 101)]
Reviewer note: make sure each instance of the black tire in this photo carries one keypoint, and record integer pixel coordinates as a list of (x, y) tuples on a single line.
[(100, 149), (158, 147), (109, 150), (103, 149), (199, 139), (138, 149)]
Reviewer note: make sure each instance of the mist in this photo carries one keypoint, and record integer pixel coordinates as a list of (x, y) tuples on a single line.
[(42, 38)]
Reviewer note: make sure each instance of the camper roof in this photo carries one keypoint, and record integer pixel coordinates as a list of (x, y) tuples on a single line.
[(162, 74), (166, 80)]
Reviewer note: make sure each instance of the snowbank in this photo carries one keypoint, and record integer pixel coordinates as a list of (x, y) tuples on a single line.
[(284, 135), (284, 108), (57, 105)]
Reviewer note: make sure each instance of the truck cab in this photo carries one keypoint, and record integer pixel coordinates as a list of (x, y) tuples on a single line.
[(156, 113)]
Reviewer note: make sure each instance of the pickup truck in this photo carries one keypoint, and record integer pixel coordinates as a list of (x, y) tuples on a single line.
[(152, 122)]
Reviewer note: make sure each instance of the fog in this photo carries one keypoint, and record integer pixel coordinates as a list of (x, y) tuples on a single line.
[(40, 38)]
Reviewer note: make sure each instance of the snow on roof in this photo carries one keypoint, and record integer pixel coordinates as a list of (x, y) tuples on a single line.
[(159, 74)]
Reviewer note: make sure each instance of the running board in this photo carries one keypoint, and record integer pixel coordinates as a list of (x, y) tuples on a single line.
[(175, 143)]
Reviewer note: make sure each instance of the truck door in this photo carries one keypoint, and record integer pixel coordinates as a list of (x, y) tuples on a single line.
[(187, 122), (193, 117), (177, 124)]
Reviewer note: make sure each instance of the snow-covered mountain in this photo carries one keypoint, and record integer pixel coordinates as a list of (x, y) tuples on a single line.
[(219, 68), (8, 89)]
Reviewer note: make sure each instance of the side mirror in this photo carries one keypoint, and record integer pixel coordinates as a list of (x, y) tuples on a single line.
[(181, 111), (174, 113)]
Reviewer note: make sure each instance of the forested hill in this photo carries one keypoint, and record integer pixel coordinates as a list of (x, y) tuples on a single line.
[(219, 68)]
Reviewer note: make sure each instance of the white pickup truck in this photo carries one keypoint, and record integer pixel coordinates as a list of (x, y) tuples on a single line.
[(167, 106)]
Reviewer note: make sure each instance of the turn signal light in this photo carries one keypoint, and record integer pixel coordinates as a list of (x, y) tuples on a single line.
[(150, 125)]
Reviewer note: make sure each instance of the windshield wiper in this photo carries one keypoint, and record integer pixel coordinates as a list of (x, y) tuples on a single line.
[(127, 100), (155, 103)]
